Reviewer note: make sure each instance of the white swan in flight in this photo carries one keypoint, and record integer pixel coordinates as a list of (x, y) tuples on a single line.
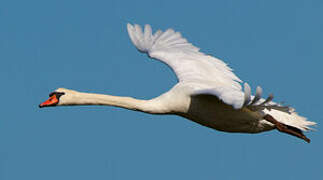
[(207, 92)]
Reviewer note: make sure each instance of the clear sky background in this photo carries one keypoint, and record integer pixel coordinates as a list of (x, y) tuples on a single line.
[(84, 45)]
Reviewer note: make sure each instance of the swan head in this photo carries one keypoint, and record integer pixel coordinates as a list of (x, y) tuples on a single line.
[(60, 97)]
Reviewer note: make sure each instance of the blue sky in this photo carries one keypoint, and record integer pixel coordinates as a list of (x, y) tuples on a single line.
[(83, 45)]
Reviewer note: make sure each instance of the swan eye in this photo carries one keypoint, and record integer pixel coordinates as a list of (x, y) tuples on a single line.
[(58, 94)]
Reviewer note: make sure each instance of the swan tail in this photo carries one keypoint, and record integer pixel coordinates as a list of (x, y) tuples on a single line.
[(283, 114), (291, 119)]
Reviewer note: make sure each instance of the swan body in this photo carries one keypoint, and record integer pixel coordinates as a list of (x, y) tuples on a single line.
[(207, 92)]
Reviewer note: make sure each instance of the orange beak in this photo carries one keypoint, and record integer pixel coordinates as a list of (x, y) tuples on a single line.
[(52, 101)]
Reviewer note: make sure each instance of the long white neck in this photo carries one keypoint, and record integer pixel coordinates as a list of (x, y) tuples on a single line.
[(153, 106)]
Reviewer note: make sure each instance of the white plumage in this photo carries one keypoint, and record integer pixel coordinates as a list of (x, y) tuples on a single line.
[(208, 92), (206, 74)]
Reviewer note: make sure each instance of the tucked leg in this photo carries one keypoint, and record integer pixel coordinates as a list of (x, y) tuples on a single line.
[(286, 129)]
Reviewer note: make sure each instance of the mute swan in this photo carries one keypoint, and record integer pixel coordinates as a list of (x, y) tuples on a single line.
[(207, 92)]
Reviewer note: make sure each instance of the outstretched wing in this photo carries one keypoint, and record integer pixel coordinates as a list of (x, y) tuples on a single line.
[(208, 75), (204, 73)]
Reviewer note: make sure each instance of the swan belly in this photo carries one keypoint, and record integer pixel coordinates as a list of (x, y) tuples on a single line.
[(211, 112)]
